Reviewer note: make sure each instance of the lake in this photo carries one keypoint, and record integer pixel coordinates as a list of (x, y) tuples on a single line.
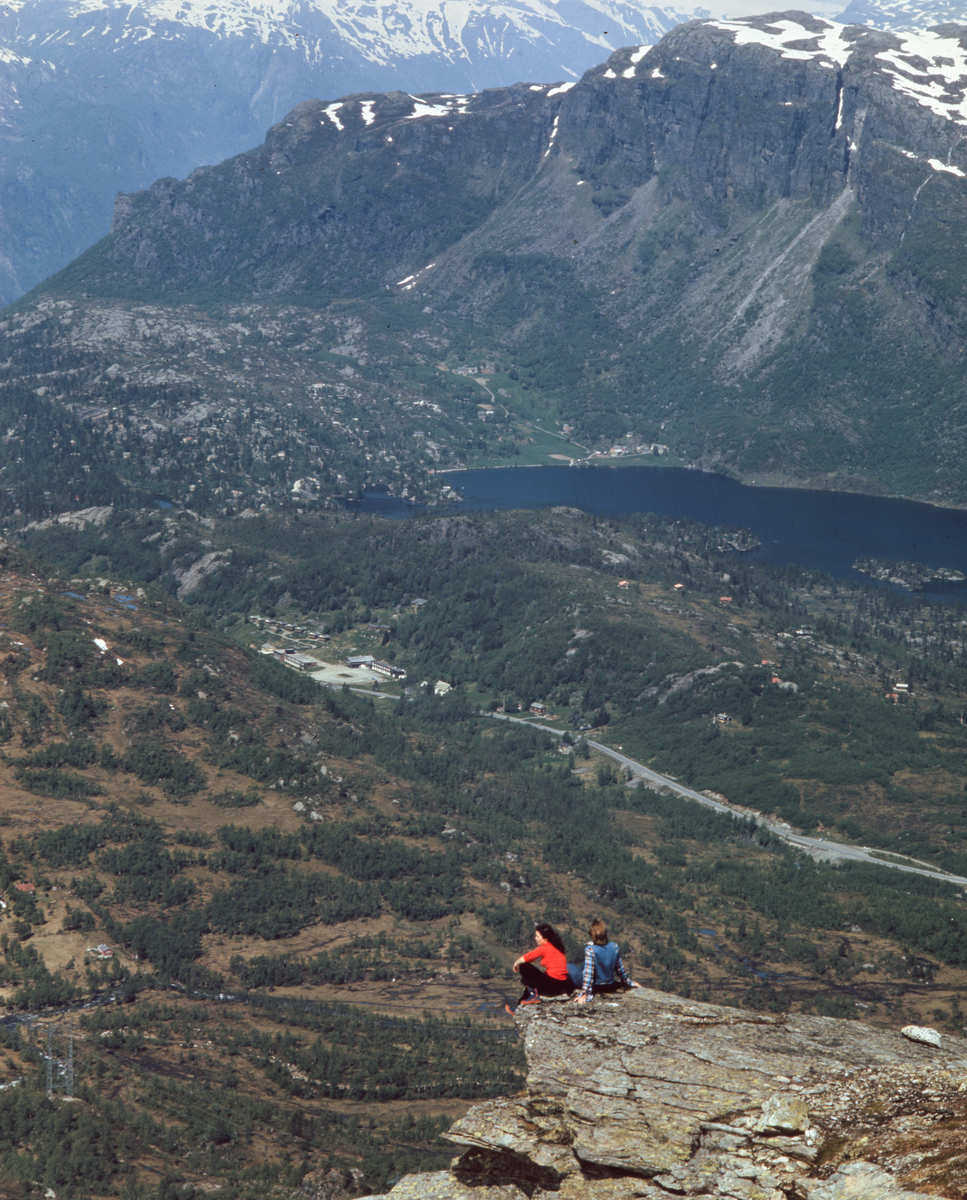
[(823, 531)]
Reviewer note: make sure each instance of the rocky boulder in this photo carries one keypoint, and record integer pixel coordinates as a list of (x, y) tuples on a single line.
[(650, 1095)]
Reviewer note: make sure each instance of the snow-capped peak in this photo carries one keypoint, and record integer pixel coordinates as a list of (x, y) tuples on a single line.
[(268, 21), (384, 30)]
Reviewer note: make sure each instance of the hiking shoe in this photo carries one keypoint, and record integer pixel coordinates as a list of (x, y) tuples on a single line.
[(510, 1010), (530, 1000)]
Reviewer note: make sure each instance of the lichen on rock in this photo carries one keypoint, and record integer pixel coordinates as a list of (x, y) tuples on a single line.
[(651, 1095)]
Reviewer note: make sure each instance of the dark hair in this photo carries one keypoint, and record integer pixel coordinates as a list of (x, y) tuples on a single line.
[(550, 934), (599, 932)]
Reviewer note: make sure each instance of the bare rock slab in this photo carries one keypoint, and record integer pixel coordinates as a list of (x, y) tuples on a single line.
[(651, 1094)]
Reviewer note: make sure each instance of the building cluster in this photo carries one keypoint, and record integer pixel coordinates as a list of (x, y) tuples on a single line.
[(300, 661), (486, 369), (272, 625), (621, 450)]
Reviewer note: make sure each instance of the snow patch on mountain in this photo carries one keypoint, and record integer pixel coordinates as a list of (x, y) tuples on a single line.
[(937, 165), (439, 106), (787, 37), (550, 144), (10, 58), (931, 69), (331, 113), (927, 66), (907, 14)]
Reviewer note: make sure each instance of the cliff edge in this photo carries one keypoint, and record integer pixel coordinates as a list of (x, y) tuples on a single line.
[(650, 1095)]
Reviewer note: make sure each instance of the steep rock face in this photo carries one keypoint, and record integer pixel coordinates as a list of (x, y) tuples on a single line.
[(339, 199), (97, 95), (748, 242), (649, 1095), (738, 121), (720, 125)]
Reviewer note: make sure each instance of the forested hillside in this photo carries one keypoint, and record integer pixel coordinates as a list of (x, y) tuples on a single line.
[(741, 250), (274, 864)]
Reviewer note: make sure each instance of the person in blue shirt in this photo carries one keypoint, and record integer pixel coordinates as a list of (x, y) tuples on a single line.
[(602, 970)]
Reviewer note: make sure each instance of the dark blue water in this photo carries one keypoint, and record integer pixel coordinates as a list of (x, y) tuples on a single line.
[(824, 531)]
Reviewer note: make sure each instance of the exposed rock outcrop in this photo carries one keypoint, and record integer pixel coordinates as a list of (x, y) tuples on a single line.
[(649, 1095), (77, 519), (192, 577)]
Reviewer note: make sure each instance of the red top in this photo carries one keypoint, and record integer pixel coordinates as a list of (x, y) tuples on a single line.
[(555, 962)]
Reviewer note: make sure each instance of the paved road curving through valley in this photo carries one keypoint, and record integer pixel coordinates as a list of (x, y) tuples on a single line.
[(818, 848)]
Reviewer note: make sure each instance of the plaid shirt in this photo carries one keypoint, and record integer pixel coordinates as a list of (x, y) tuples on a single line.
[(587, 982)]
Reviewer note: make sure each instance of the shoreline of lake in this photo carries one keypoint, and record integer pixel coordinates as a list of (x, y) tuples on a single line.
[(635, 463), (813, 528)]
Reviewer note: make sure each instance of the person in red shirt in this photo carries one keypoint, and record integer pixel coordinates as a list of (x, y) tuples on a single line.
[(554, 979)]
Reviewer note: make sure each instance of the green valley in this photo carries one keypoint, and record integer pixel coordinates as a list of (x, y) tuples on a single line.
[(309, 897)]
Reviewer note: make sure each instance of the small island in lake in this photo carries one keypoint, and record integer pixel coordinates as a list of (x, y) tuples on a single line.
[(913, 576)]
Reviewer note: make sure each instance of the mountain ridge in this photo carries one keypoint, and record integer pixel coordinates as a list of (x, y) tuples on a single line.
[(745, 243), (99, 96)]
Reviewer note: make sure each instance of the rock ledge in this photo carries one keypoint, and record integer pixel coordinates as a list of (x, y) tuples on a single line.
[(649, 1095)]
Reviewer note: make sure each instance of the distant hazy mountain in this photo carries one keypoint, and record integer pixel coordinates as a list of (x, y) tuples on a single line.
[(905, 14), (748, 244), (98, 96)]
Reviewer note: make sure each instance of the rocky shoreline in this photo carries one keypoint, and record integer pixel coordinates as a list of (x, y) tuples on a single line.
[(912, 576)]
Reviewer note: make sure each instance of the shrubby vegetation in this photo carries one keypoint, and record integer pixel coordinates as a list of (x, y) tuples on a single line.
[(299, 1057), (450, 829)]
